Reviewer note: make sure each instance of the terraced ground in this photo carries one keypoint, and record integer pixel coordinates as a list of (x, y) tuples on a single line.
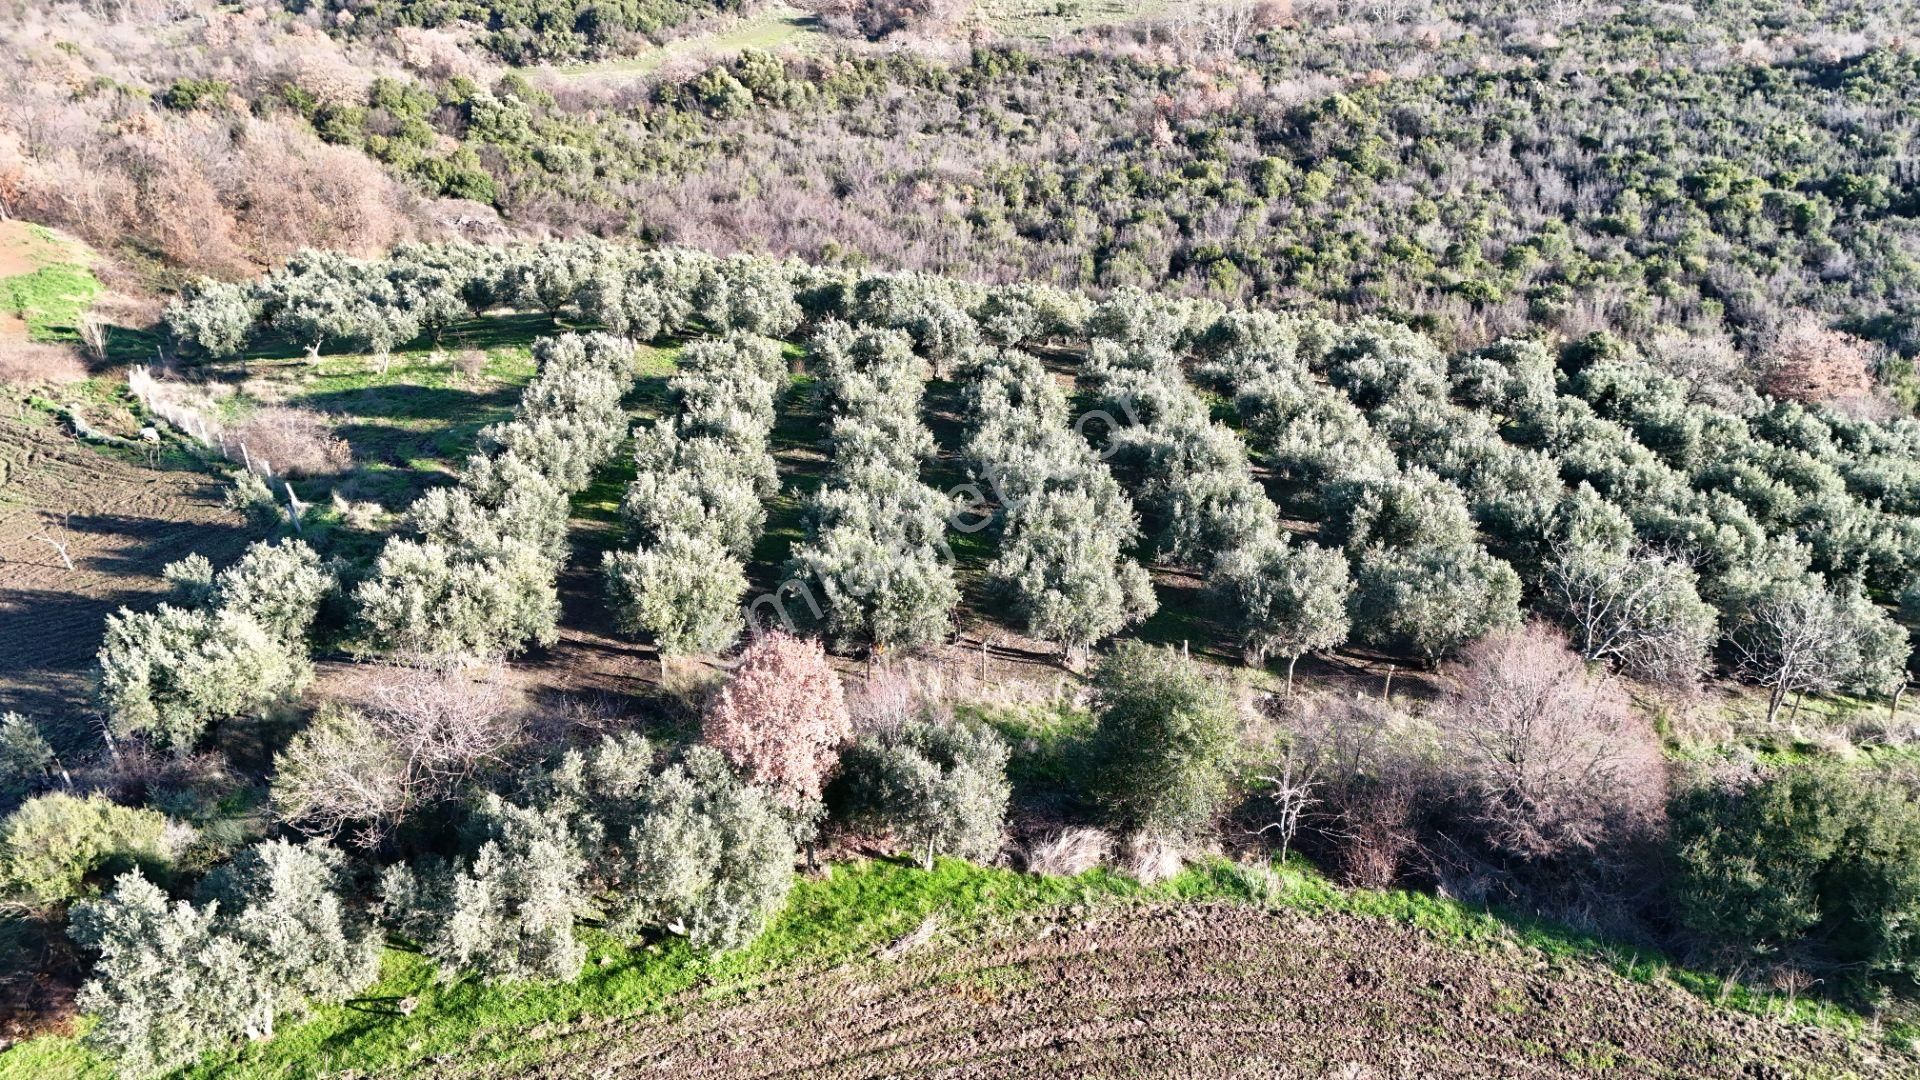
[(1195, 990)]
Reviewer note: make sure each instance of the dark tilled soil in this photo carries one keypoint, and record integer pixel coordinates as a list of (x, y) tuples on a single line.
[(1199, 991), (120, 523)]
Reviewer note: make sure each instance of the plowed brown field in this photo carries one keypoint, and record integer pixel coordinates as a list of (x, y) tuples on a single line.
[(1199, 991), (120, 523)]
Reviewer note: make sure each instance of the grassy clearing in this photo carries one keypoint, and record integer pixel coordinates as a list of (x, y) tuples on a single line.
[(774, 28), (1042, 19), (844, 915), (1044, 743), (410, 423), (45, 283), (50, 301)]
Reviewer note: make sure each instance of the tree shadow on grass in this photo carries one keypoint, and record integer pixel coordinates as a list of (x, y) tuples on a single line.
[(495, 331), (1188, 618), (415, 403), (377, 1006)]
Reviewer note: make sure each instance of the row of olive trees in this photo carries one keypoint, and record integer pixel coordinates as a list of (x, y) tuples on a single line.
[(1853, 510), (1424, 579), (321, 301), (1665, 544), (1647, 565), (696, 507), (875, 570), (1845, 486), (1067, 529), (1280, 597), (476, 575)]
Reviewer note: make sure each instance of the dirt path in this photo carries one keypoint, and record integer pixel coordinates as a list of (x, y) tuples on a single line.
[(1200, 991)]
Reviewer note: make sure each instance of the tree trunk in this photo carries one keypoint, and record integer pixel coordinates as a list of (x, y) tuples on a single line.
[(113, 748), (1893, 709), (1794, 716), (1291, 660), (1775, 697)]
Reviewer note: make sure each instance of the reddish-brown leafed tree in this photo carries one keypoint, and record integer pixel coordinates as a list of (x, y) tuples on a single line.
[(1808, 362), (782, 717)]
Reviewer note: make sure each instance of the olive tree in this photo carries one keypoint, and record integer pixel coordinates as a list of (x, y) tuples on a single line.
[(685, 591), (1431, 601), (703, 854), (941, 788), (750, 293), (167, 986), (26, 758), (425, 599), (508, 913), (168, 673), (1067, 573), (279, 585), (1284, 598), (175, 980), (285, 904), (217, 317)]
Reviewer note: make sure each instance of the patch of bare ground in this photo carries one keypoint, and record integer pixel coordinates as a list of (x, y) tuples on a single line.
[(1194, 991), (118, 522)]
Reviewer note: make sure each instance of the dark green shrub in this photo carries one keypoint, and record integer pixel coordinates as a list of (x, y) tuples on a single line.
[(1163, 741), (1820, 857)]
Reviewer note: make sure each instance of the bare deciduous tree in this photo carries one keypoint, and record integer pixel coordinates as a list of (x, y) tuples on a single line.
[(1291, 787), (1637, 609), (1376, 781), (1552, 759), (421, 737), (1795, 638)]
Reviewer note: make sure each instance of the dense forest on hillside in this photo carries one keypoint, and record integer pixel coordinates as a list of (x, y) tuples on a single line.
[(1714, 172), (522, 32)]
